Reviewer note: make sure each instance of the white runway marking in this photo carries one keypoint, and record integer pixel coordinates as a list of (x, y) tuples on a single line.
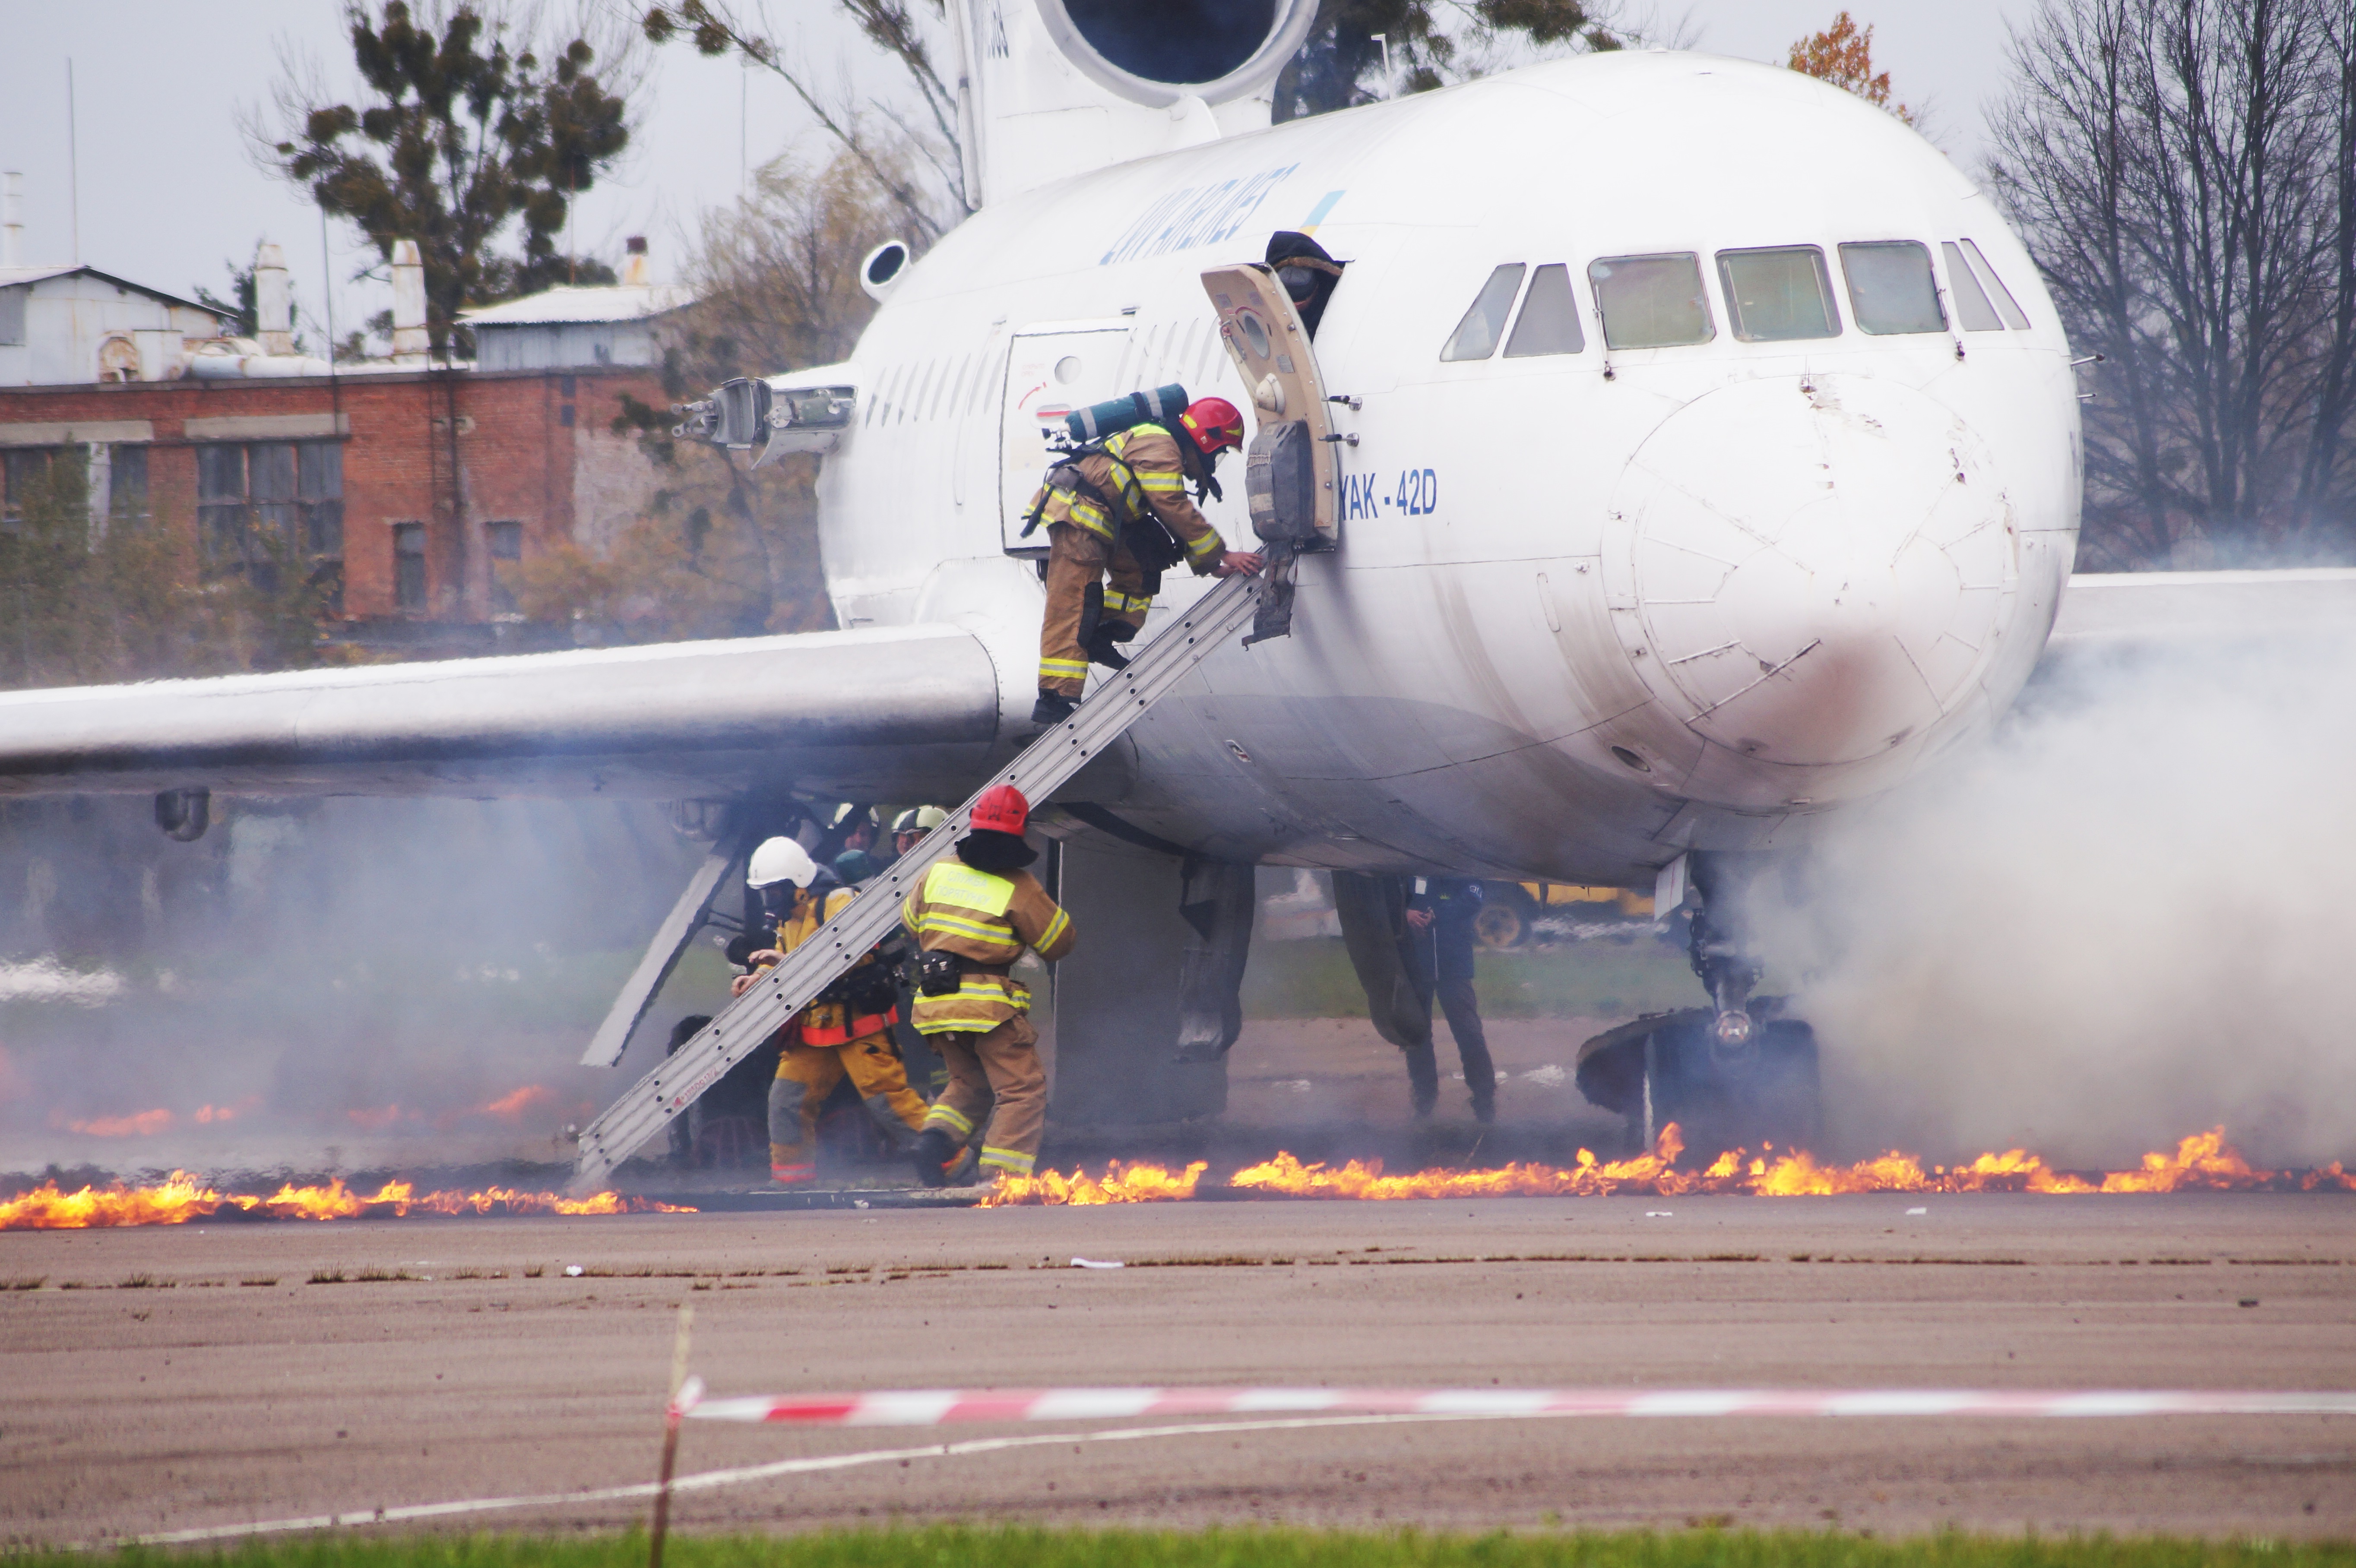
[(1689, 1403)]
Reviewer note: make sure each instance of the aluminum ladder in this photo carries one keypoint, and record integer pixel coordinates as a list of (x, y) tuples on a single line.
[(648, 1106)]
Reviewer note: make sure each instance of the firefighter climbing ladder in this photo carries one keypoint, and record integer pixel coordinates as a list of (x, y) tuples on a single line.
[(648, 1106)]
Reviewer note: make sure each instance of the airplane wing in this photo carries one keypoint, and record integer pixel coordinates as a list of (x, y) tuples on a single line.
[(886, 713), (2126, 609)]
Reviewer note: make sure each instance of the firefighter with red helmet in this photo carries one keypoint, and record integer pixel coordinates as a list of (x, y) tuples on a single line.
[(1120, 507), (972, 918)]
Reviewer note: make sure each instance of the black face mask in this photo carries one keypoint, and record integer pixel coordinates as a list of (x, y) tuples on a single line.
[(1299, 283), (778, 899)]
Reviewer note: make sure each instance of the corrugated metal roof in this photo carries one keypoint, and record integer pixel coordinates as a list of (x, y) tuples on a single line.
[(9, 276), (614, 301)]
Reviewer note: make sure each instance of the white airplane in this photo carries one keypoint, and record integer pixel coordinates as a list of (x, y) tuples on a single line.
[(1703, 460)]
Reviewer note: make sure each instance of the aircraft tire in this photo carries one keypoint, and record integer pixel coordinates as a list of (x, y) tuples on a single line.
[(1768, 1094)]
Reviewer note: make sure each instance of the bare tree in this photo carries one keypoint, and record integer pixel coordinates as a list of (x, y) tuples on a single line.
[(722, 548), (2182, 169), (717, 27)]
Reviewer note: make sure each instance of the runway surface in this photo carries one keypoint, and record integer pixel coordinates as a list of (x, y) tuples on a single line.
[(229, 1389)]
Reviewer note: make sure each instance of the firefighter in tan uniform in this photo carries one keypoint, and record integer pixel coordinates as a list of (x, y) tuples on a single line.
[(1120, 507), (848, 1030), (972, 917)]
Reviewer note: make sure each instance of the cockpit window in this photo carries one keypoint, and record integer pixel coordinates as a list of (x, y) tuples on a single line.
[(1549, 319), (1650, 302), (1771, 295), (1889, 287), (1476, 335), (2014, 316), (1971, 301)]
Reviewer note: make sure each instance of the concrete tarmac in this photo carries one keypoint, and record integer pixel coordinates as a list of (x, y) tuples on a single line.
[(179, 1378)]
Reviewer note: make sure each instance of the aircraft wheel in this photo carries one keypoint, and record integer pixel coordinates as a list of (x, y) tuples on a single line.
[(1506, 910), (1768, 1093)]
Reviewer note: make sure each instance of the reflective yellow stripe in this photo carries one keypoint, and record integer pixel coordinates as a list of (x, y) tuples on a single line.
[(944, 1114), (1014, 1162), (1159, 483), (1056, 928), (1204, 546), (1063, 669), (955, 882), (946, 925)]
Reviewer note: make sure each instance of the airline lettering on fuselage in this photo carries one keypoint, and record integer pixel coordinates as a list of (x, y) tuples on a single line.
[(1412, 490), (1194, 215)]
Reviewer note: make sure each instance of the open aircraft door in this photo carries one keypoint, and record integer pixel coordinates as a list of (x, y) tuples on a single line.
[(1271, 348), (1290, 474), (1053, 367)]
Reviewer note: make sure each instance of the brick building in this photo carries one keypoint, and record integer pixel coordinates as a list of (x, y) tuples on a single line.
[(406, 484)]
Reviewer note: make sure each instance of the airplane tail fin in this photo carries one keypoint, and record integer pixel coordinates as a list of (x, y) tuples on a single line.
[(1050, 89)]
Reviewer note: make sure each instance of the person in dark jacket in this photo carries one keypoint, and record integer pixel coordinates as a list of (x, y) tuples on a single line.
[(1438, 948)]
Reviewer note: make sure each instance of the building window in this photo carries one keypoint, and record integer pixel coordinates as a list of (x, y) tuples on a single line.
[(22, 469), (126, 485), (505, 542), (12, 318), (270, 502), (409, 565)]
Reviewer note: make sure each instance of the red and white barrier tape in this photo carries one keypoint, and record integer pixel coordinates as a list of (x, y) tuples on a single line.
[(934, 1407)]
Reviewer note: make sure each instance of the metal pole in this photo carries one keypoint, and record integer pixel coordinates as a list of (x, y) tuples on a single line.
[(73, 165), (674, 1408)]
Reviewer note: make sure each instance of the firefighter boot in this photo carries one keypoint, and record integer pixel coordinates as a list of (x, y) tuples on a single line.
[(1051, 710), (935, 1153)]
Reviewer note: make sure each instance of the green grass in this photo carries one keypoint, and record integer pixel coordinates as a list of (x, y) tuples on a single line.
[(1312, 979), (1274, 1547)]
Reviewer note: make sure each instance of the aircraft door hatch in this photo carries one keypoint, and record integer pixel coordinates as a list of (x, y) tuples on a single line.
[(1264, 336), (1053, 368)]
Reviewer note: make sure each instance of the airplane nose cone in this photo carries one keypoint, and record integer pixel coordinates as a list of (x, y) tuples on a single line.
[(1809, 572)]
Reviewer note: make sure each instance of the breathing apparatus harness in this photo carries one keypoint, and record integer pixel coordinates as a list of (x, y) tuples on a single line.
[(1141, 530)]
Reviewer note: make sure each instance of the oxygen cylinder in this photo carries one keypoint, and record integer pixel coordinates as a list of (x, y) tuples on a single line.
[(1160, 406)]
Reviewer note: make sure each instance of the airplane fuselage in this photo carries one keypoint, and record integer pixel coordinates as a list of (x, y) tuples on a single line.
[(1588, 608)]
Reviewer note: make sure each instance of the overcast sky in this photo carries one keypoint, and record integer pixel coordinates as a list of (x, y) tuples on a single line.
[(169, 192)]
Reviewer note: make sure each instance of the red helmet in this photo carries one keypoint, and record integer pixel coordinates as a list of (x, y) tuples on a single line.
[(1214, 423), (1001, 810)]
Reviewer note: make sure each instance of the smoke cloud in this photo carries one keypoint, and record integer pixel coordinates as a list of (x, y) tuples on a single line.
[(323, 983), (2119, 922)]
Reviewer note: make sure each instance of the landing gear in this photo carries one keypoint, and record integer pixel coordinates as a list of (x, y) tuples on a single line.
[(1764, 1093), (1734, 1074)]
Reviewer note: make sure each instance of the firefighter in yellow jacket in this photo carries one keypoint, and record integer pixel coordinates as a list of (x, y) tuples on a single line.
[(972, 917), (1120, 507), (848, 1030)]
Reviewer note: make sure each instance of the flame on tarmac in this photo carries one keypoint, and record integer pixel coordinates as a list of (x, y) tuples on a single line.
[(182, 1198), (2202, 1162)]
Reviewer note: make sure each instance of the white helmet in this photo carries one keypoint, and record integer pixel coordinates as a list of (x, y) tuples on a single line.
[(919, 819), (781, 860)]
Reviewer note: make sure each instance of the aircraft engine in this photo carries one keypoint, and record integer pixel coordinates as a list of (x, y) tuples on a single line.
[(1056, 87)]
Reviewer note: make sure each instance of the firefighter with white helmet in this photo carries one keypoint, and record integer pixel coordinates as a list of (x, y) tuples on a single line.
[(848, 1030), (908, 828)]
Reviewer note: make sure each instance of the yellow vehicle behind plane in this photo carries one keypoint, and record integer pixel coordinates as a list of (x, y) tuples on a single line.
[(1509, 910)]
